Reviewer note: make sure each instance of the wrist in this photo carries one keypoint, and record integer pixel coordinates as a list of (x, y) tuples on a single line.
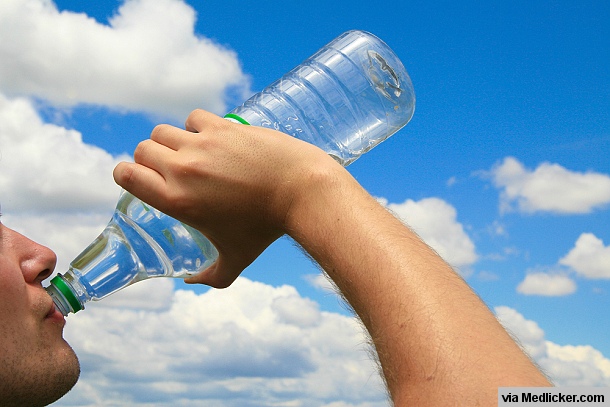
[(325, 203)]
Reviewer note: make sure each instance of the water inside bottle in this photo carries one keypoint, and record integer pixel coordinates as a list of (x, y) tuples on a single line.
[(144, 243)]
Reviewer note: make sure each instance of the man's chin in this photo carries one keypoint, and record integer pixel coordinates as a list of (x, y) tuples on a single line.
[(41, 389), (65, 376)]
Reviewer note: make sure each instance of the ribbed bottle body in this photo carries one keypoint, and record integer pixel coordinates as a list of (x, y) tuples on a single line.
[(347, 98)]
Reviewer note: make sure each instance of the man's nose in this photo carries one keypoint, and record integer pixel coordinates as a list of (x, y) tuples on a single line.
[(38, 262)]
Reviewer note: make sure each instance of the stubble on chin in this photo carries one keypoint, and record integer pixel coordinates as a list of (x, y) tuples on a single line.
[(39, 380)]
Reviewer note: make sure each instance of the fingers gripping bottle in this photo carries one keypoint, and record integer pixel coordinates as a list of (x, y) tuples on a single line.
[(347, 98)]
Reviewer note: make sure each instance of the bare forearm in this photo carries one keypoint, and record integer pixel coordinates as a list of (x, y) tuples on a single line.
[(434, 337), (437, 342)]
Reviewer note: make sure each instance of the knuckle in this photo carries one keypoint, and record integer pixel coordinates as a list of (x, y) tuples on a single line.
[(195, 119), (159, 130), (200, 120), (141, 151), (124, 175), (196, 113)]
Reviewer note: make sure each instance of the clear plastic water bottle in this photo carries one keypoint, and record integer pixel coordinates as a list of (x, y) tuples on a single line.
[(347, 98)]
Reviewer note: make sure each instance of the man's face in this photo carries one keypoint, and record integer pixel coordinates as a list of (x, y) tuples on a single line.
[(37, 366)]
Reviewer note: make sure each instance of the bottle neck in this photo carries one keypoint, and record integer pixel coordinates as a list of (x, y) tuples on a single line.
[(63, 295)]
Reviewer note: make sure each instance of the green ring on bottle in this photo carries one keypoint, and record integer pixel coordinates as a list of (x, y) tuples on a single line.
[(65, 289), (236, 117)]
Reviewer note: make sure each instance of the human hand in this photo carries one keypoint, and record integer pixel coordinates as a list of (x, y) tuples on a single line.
[(232, 182)]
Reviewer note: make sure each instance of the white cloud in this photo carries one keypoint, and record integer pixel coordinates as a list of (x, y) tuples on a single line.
[(550, 285), (253, 344), (321, 282), (147, 58), (567, 365), (435, 221), (248, 345), (589, 257), (45, 167), (138, 296), (550, 188), (591, 364)]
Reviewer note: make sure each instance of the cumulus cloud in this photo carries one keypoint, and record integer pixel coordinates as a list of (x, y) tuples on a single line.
[(249, 345), (549, 188), (138, 296), (321, 282), (579, 365), (567, 365), (546, 284), (147, 58), (45, 167), (253, 344), (435, 221), (589, 257)]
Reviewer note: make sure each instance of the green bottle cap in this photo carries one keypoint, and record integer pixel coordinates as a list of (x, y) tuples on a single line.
[(66, 291)]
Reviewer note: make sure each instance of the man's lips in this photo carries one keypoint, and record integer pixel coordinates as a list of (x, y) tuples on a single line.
[(54, 314)]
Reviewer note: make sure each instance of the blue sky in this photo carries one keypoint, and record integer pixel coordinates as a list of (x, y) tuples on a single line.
[(504, 170)]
